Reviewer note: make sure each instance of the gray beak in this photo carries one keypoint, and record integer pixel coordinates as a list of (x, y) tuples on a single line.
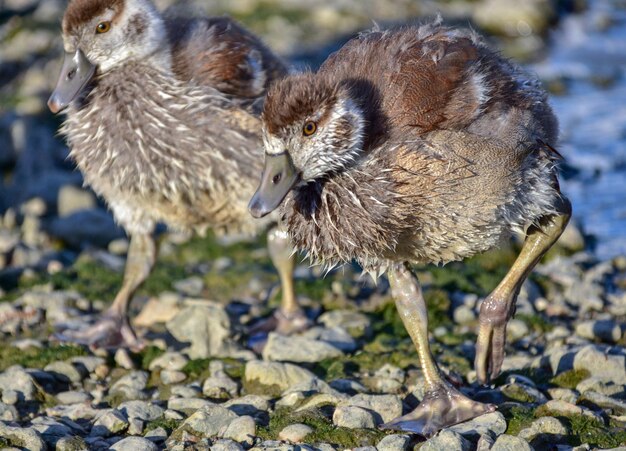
[(279, 176), (76, 72)]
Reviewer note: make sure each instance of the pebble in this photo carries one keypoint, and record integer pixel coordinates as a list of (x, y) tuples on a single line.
[(143, 410), (446, 441), (188, 405), (523, 393), (248, 405), (134, 444), (608, 404), (109, 423), (356, 324), (131, 386), (8, 412), (169, 377), (27, 438), (65, 371), (555, 407), (242, 430), (227, 445), (221, 387), (511, 443), (73, 397), (75, 443), (607, 367), (19, 385), (295, 433), (298, 349), (387, 407), (492, 424), (544, 425), (272, 378), (607, 331), (394, 442), (123, 360), (353, 417), (173, 361), (209, 421)]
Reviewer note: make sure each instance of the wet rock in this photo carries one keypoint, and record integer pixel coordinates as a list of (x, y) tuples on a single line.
[(72, 199), (27, 438), (607, 331), (109, 423), (492, 424), (169, 361), (131, 386), (387, 407), (273, 378), (395, 442), (142, 410), (298, 349), (295, 433), (355, 323), (18, 380), (134, 444), (206, 326), (172, 377), (511, 443), (353, 417), (208, 421), (544, 426), (446, 441), (242, 430)]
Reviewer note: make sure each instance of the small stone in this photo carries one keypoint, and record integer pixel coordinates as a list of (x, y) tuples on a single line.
[(160, 310), (222, 387), (10, 397), (134, 444), (248, 405), (123, 360), (188, 405), (523, 393), (131, 386), (295, 433), (72, 199), (607, 367), (73, 397), (561, 408), (90, 363), (17, 382), (614, 406), (298, 349), (226, 445), (446, 441), (209, 421), (387, 407), (206, 326), (353, 417), (52, 430), (174, 361), (65, 371), (464, 315), (336, 336), (242, 430), (109, 423), (172, 377), (511, 443), (156, 435), (493, 424), (135, 426), (356, 323), (607, 331), (395, 442), (599, 386), (143, 410), (192, 286), (564, 394), (26, 438), (516, 329), (8, 412), (544, 425), (75, 443), (273, 378)]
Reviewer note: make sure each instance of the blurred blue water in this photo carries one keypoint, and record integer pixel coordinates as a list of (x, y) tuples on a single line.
[(588, 55)]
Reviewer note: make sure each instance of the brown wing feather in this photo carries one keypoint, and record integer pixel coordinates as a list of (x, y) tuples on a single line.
[(220, 53)]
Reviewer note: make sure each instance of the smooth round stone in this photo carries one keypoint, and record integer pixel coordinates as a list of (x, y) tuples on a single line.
[(73, 397), (169, 361), (172, 377), (134, 444), (353, 417), (295, 433)]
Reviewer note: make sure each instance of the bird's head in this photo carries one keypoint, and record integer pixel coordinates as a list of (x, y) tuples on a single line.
[(311, 129), (101, 35)]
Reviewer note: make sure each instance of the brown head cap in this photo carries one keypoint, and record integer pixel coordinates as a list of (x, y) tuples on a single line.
[(79, 12)]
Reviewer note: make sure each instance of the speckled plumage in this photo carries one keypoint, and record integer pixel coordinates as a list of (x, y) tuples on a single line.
[(450, 160)]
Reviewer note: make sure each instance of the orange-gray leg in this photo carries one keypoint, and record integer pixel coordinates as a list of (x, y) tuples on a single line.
[(289, 318), (113, 329), (499, 306), (442, 405)]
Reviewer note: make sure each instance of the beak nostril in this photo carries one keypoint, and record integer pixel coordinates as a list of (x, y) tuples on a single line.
[(276, 178), (71, 74)]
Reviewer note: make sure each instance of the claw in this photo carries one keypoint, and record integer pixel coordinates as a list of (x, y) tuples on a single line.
[(439, 409), (494, 315)]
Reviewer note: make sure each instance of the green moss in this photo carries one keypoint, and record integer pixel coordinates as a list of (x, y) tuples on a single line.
[(589, 430), (570, 379), (517, 393), (145, 357), (537, 323), (168, 424), (323, 429), (37, 357), (517, 418), (197, 368)]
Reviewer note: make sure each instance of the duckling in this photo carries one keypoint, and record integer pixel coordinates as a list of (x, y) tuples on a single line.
[(163, 122), (416, 145)]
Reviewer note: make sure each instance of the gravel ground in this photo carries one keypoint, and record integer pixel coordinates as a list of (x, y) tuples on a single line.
[(61, 259)]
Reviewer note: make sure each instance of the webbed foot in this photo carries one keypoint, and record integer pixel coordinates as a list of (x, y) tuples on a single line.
[(439, 409), (110, 330)]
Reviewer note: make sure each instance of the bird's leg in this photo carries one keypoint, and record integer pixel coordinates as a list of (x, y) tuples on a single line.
[(289, 318), (499, 306), (442, 405), (113, 329)]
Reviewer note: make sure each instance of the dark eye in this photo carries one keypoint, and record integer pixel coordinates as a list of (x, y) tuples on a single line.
[(103, 27), (276, 178), (309, 128)]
